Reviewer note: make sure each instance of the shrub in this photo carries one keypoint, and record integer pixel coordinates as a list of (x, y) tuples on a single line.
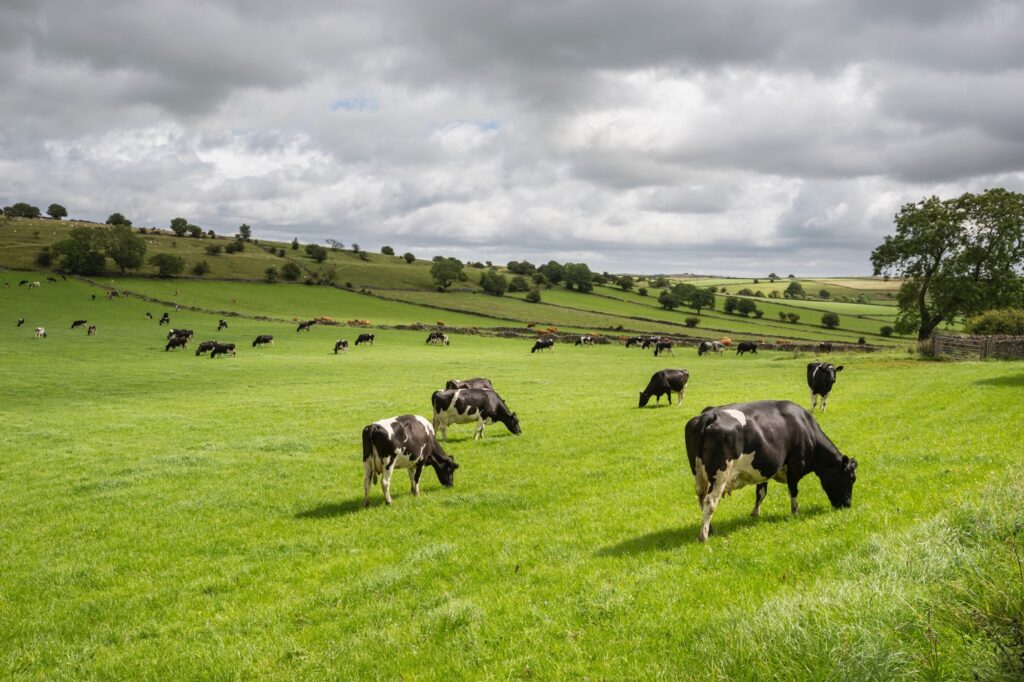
[(270, 274), (118, 219), (1005, 321), (746, 307), (295, 244), (668, 300), (200, 268), (691, 321), (316, 252), (642, 291), (519, 283), (533, 296), (214, 249), (387, 251), (235, 246), (167, 265), (745, 292), (759, 314), (824, 293), (494, 283), (886, 331), (830, 320), (291, 271), (409, 258), (44, 258), (731, 304), (793, 318)]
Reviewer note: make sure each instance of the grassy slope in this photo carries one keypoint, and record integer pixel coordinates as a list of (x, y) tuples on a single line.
[(170, 516)]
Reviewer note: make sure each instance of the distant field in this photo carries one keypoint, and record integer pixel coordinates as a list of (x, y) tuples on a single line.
[(174, 517)]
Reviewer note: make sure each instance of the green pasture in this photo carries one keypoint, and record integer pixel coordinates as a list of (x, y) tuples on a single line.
[(174, 517)]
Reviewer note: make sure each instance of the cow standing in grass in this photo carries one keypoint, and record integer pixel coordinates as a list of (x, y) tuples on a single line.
[(222, 349), (263, 340), (543, 344), (176, 342), (342, 345), (205, 347), (821, 377), (471, 405), (746, 347), (665, 382), (365, 338), (222, 325), (404, 442), (40, 332), (21, 321)]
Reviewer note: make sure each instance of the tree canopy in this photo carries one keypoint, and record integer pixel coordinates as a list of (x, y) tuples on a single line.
[(56, 211), (82, 252), (447, 271), (126, 248), (167, 265), (578, 276), (118, 219), (494, 283)]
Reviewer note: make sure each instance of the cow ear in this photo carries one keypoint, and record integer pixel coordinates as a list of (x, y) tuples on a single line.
[(839, 368)]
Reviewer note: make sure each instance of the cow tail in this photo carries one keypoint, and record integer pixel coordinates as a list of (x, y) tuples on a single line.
[(695, 429)]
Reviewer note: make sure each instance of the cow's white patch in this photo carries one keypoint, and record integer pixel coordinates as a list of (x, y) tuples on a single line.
[(742, 473), (738, 416), (426, 425)]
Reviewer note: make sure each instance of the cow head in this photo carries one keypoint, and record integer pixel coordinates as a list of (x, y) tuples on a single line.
[(444, 466), (513, 424), (644, 397), (837, 482)]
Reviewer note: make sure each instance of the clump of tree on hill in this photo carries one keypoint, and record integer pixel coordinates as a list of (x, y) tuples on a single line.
[(447, 271), (86, 249), (493, 283)]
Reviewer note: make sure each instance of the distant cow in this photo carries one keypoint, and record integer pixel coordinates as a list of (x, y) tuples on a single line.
[(404, 442), (91, 330), (184, 333), (585, 341), (543, 344), (78, 323), (222, 349), (821, 376), (40, 332), (825, 347), (34, 285), (51, 279), (706, 347), (438, 338), (665, 382), (340, 344), (746, 347), (305, 325), (222, 325), (205, 347), (735, 445), (21, 321), (165, 319), (149, 316), (22, 282), (468, 405), (364, 338), (176, 342), (262, 339), (649, 341), (634, 341), (478, 382), (664, 346)]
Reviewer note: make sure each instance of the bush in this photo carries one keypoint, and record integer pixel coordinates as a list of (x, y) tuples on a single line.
[(235, 247), (409, 258), (746, 307), (1005, 321), (886, 331), (494, 283), (519, 283), (745, 292), (387, 251), (533, 296), (291, 271), (167, 265), (270, 274), (793, 318), (691, 321), (200, 268), (731, 304), (316, 252), (824, 293), (295, 244), (118, 219), (830, 320), (214, 249), (759, 314), (45, 258), (642, 291)]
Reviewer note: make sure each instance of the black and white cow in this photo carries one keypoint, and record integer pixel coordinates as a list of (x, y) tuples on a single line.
[(164, 319), (438, 338), (664, 346), (22, 282), (184, 333), (634, 341), (342, 345), (222, 325), (707, 347), (149, 316), (21, 321), (825, 347), (91, 330), (176, 342), (746, 347), (665, 382), (306, 325), (585, 341), (222, 349), (404, 442), (750, 443), (263, 339), (78, 323), (547, 343), (821, 376), (205, 347), (468, 405), (649, 341), (40, 332), (365, 338), (477, 382)]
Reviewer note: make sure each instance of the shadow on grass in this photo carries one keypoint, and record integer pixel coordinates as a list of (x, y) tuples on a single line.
[(1008, 380), (671, 538), (332, 509)]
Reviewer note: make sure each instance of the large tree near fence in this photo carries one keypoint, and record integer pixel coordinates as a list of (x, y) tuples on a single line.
[(957, 257)]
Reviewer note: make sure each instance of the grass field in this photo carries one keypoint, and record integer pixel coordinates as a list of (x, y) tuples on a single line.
[(167, 516)]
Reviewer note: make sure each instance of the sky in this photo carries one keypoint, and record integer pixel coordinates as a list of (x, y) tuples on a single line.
[(734, 137)]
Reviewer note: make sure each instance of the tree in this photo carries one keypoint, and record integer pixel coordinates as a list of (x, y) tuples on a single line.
[(295, 244), (519, 283), (82, 253), (746, 307), (540, 279), (830, 320), (533, 296), (235, 247), (409, 258), (668, 300), (56, 211), (642, 291), (179, 226), (334, 244), (214, 249), (772, 277), (886, 331), (795, 290), (387, 251), (691, 321), (329, 273), (793, 318), (824, 293), (44, 258), (124, 247), (782, 316), (167, 265), (355, 249), (447, 271), (211, 234), (523, 268), (956, 256), (21, 210), (200, 268), (731, 303), (702, 298), (745, 292), (270, 274), (118, 219), (625, 282), (316, 252), (195, 232), (290, 271), (578, 276), (244, 232), (554, 271), (494, 283)]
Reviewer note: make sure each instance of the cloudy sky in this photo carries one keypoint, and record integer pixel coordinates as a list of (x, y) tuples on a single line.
[(729, 136)]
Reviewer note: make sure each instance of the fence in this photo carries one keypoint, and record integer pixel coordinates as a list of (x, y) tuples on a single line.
[(960, 347)]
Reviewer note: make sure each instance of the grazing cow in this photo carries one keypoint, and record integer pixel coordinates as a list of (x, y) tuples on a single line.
[(176, 342), (185, 333), (91, 330), (94, 297), (149, 316), (34, 285), (665, 382), (305, 325), (707, 347), (649, 341), (404, 442), (342, 345), (825, 347), (262, 339), (222, 349), (746, 347), (438, 338), (21, 321), (22, 282), (40, 332), (821, 376), (478, 382), (221, 325), (51, 279), (634, 341), (543, 344), (585, 341), (165, 319), (664, 346), (749, 443), (467, 405), (364, 338), (78, 323), (205, 347)]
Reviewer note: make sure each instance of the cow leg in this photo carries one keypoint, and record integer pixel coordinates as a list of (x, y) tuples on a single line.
[(824, 402), (479, 433), (414, 480), (762, 492), (793, 483), (367, 478), (682, 394), (385, 480), (711, 501), (670, 396), (814, 400)]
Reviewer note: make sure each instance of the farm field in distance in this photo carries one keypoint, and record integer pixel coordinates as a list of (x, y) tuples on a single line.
[(172, 516)]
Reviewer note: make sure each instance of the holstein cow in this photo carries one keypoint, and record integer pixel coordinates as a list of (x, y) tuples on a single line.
[(222, 349), (585, 341), (164, 319), (21, 321), (438, 338), (664, 346), (262, 339), (404, 442), (221, 325), (305, 325), (78, 323), (746, 347), (149, 316), (176, 342), (825, 347), (364, 338), (22, 282), (634, 341), (478, 382), (342, 345), (665, 382), (40, 332), (649, 341), (707, 347), (91, 330), (467, 405), (184, 333), (205, 347), (821, 376), (749, 443), (543, 344)]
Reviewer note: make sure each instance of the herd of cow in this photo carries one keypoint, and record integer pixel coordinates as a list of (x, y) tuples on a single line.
[(180, 338)]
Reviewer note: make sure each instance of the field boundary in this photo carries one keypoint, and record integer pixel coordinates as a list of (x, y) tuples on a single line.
[(965, 347)]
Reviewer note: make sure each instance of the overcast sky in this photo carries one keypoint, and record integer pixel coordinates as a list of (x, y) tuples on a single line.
[(727, 137)]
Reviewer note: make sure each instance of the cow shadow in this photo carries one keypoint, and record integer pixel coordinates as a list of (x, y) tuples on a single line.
[(1006, 380), (672, 538), (332, 509)]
